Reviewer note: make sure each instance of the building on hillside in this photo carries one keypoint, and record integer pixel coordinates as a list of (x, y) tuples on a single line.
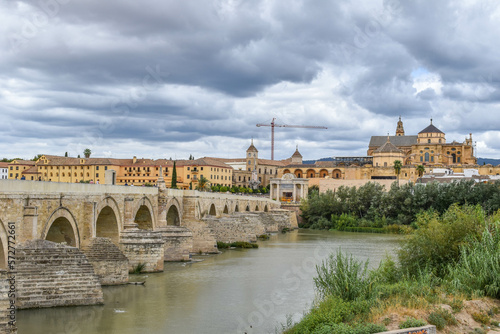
[(446, 175), (4, 170)]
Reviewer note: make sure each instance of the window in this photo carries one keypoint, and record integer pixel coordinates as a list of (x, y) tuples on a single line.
[(249, 162), (188, 168), (428, 140), (201, 168), (17, 167), (105, 167), (426, 156), (96, 174)]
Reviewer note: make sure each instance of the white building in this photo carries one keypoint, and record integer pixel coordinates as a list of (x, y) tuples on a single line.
[(4, 168)]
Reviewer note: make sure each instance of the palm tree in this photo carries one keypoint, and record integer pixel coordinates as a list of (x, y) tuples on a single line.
[(87, 152), (397, 168), (420, 170), (203, 184)]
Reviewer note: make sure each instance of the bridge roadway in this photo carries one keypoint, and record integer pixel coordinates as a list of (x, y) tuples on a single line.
[(76, 213)]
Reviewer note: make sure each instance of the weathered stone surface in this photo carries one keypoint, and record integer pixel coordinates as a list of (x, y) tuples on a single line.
[(51, 274), (142, 246), (416, 330), (110, 264), (178, 243), (7, 313)]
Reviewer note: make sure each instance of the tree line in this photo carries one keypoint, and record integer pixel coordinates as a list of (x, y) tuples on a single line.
[(372, 206)]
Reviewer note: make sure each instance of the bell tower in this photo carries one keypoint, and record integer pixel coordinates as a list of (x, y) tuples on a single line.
[(400, 131)]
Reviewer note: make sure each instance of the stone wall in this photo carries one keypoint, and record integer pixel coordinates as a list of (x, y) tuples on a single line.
[(110, 264), (237, 227), (51, 274), (416, 330), (143, 247), (178, 243), (7, 312)]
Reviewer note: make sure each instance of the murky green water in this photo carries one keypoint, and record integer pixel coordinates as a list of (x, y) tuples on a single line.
[(225, 293)]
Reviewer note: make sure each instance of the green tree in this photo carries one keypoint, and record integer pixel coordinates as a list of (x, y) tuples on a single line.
[(87, 152), (174, 178), (420, 170), (397, 168), (36, 157), (66, 154), (203, 184)]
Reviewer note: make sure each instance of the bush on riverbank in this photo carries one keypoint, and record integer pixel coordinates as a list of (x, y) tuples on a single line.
[(236, 244), (372, 206), (450, 258)]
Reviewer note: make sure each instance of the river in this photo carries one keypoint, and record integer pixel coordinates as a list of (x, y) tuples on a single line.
[(224, 293)]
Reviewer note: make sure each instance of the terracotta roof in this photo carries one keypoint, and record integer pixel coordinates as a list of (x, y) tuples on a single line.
[(23, 162), (388, 147), (31, 170), (4, 164), (297, 153)]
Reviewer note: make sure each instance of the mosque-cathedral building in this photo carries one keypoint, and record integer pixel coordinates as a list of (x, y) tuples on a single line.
[(428, 148)]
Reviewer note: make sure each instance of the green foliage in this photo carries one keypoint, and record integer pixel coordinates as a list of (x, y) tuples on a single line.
[(87, 152), (236, 244), (344, 277), (263, 237), (334, 314), (440, 318), (436, 242), (372, 206), (481, 317), (139, 268), (412, 322), (203, 184), (478, 270), (173, 183)]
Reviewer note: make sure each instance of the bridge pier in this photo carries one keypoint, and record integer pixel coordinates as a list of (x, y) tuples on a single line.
[(178, 243), (143, 247), (7, 313), (110, 264)]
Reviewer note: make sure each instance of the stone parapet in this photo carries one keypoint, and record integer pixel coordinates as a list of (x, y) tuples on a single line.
[(243, 226), (51, 274), (416, 330), (110, 264), (178, 243), (143, 247)]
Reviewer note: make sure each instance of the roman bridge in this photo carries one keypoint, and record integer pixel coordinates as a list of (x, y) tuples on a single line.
[(75, 214)]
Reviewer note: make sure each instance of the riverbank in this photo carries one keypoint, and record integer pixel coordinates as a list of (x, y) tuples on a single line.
[(447, 275)]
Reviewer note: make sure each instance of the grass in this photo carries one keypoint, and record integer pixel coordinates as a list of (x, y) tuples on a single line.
[(139, 268), (236, 244)]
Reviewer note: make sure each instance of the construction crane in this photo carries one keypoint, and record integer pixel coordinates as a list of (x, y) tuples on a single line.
[(273, 125)]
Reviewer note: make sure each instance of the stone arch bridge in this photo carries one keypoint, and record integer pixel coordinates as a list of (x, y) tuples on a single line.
[(179, 221)]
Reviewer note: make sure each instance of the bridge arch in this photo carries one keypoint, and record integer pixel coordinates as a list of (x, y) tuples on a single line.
[(247, 208), (257, 207), (108, 223), (4, 244), (62, 227), (236, 208), (212, 211), (173, 217), (144, 214), (266, 209), (226, 209)]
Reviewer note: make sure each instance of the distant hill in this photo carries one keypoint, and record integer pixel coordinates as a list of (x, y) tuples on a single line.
[(485, 161)]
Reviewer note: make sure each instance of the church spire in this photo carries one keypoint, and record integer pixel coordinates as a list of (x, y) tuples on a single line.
[(400, 131)]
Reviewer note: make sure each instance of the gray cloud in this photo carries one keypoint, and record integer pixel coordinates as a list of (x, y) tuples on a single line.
[(194, 77)]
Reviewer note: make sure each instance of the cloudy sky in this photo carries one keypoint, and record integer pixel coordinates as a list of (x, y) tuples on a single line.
[(170, 78)]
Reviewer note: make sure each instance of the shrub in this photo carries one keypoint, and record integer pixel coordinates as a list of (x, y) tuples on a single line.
[(440, 318), (344, 277), (478, 270), (222, 245), (412, 322), (481, 317), (243, 244), (138, 268)]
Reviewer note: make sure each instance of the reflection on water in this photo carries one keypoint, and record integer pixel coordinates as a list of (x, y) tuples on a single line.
[(225, 293)]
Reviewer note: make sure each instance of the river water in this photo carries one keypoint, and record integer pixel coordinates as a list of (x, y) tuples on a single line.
[(224, 293)]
